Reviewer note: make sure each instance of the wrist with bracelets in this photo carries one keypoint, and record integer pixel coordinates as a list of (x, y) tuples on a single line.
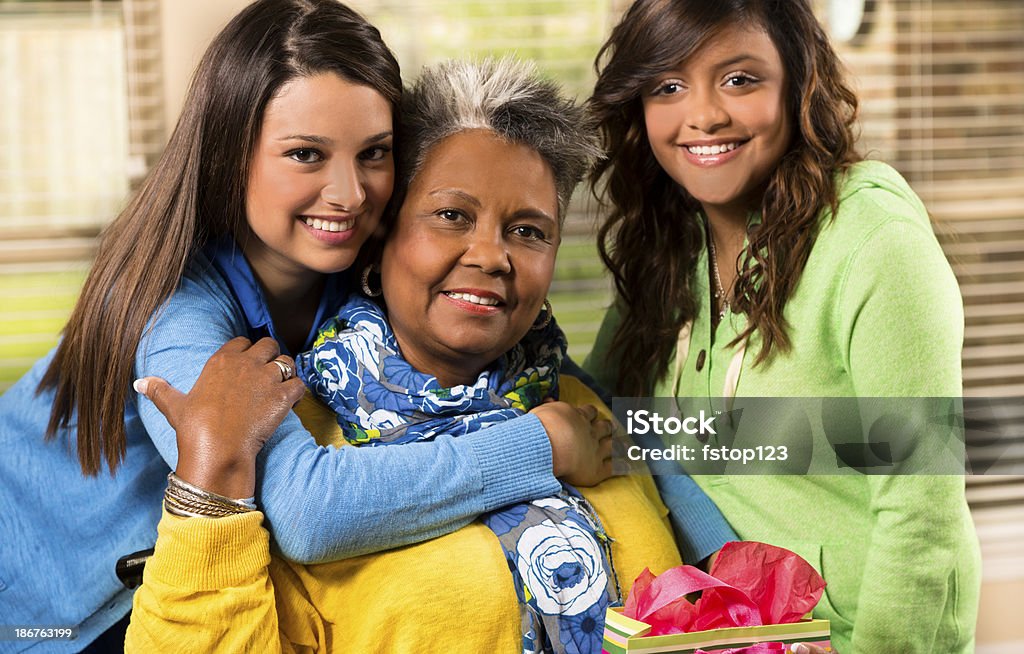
[(187, 501)]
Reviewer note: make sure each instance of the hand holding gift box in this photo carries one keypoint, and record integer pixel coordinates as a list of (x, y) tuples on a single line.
[(755, 598)]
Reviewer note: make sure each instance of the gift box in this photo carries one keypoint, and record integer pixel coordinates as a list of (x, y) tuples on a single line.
[(622, 634), (757, 598)]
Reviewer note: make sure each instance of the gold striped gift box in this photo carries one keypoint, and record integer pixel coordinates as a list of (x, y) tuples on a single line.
[(624, 635)]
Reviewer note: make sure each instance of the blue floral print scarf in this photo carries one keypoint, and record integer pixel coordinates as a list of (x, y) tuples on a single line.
[(556, 548)]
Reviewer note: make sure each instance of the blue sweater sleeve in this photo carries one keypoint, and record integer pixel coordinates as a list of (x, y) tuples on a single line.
[(699, 526), (325, 503)]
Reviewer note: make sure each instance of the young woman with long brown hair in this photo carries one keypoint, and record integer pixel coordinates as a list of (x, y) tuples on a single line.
[(278, 170), (755, 254)]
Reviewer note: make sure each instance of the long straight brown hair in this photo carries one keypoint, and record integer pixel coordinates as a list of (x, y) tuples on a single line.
[(195, 192), (651, 238)]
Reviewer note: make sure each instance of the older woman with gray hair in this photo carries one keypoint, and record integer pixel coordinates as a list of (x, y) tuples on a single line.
[(453, 334)]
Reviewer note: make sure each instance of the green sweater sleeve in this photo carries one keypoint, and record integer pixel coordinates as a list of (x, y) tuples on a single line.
[(902, 316), (915, 545)]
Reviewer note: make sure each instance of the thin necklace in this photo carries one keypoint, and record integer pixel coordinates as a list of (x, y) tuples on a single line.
[(719, 291)]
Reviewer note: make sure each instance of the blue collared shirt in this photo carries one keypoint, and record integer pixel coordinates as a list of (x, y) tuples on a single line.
[(246, 289)]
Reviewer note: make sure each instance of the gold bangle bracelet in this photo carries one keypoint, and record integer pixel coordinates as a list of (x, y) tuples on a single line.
[(185, 500)]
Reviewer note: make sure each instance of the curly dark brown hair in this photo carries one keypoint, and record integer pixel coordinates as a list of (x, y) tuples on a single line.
[(651, 239)]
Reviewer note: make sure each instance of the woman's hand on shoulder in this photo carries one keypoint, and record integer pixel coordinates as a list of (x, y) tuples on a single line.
[(239, 399), (581, 442)]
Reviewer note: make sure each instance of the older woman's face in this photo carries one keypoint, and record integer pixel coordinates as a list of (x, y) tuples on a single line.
[(467, 266)]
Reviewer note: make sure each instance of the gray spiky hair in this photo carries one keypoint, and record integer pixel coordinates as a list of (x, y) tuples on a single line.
[(507, 97)]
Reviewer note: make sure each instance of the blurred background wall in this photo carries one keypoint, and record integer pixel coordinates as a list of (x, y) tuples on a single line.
[(92, 88)]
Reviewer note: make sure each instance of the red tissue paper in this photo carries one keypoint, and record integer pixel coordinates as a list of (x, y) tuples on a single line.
[(750, 584)]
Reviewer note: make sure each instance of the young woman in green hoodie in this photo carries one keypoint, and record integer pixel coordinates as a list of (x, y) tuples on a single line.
[(755, 254)]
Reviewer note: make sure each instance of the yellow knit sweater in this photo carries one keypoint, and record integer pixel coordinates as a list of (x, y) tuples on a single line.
[(213, 586)]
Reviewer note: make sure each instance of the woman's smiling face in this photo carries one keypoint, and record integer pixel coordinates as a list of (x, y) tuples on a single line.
[(718, 123), (469, 261), (320, 177)]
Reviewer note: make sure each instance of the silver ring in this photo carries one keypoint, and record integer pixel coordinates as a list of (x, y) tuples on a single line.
[(287, 372)]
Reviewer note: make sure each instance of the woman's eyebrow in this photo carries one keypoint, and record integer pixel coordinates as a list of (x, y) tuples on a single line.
[(740, 58), (323, 140), (458, 193), (309, 138), (534, 212), (379, 137)]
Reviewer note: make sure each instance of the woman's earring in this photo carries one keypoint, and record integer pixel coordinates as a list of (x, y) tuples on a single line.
[(544, 319), (366, 283)]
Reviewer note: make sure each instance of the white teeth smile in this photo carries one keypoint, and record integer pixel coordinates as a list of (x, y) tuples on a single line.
[(467, 297), (331, 225), (712, 149)]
